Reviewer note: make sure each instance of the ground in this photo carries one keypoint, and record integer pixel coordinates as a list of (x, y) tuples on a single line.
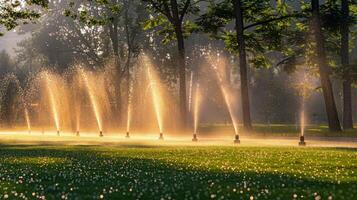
[(311, 130), (138, 169)]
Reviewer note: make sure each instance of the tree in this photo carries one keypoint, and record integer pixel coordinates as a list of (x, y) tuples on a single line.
[(321, 62), (242, 64), (171, 17), (57, 42), (339, 23), (120, 21), (14, 13), (347, 96), (262, 33), (301, 47)]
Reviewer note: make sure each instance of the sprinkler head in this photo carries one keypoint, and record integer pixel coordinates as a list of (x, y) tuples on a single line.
[(127, 135), (29, 131), (236, 139), (101, 134), (77, 133), (302, 141), (161, 136), (194, 139), (58, 133)]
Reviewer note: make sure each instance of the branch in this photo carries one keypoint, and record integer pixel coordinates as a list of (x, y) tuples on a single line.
[(165, 11), (91, 54), (184, 10), (271, 20), (169, 15), (286, 59)]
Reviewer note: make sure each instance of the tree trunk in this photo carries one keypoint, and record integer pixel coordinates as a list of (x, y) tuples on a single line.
[(177, 22), (242, 65), (347, 98), (330, 105), (113, 28), (129, 52), (182, 75)]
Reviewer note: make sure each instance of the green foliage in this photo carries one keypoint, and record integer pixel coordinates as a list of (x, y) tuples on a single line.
[(301, 45), (14, 13), (260, 61), (166, 23), (92, 13), (265, 26), (166, 30)]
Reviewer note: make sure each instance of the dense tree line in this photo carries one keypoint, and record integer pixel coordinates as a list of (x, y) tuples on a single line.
[(266, 39)]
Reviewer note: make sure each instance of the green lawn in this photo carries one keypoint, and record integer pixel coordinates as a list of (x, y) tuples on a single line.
[(278, 130), (176, 172)]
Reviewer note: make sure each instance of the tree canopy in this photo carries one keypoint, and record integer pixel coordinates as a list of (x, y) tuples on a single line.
[(14, 13)]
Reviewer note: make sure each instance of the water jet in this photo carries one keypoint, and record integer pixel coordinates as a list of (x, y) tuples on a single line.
[(190, 93), (128, 120), (224, 86), (304, 94), (52, 98), (196, 111), (155, 94), (302, 128), (93, 100), (28, 121)]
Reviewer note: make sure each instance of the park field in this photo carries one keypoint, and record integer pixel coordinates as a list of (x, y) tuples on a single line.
[(139, 170), (283, 130)]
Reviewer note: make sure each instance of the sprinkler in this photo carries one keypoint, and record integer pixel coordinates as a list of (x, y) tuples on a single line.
[(127, 135), (29, 131), (101, 134), (77, 133), (194, 139), (302, 141), (236, 139), (161, 136), (58, 133)]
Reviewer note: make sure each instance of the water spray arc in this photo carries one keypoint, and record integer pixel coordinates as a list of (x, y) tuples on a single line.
[(227, 97), (190, 93), (28, 122), (304, 94), (53, 103), (302, 124), (93, 100), (155, 94), (196, 111), (77, 120), (128, 122), (302, 115), (129, 112)]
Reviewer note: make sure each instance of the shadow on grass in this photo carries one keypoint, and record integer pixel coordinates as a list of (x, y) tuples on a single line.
[(88, 174)]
